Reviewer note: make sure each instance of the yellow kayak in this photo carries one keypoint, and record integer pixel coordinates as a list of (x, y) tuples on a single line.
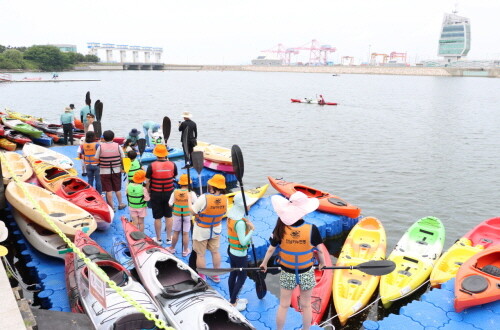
[(50, 176), (254, 193), (352, 289), (18, 164), (214, 153), (22, 117)]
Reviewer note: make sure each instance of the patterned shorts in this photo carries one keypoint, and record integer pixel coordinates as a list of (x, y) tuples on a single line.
[(289, 282)]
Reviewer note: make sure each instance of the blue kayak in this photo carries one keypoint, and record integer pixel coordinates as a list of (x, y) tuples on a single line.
[(148, 156)]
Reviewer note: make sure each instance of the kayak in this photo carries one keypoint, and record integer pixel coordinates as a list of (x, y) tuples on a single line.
[(327, 202), (21, 116), (254, 193), (16, 137), (187, 301), (80, 193), (50, 176), (21, 127), (352, 289), (18, 164), (45, 127), (78, 124), (214, 153), (2, 130), (121, 253), (321, 293), (478, 280), (67, 217), (71, 286), (43, 240), (484, 235), (415, 255), (218, 166), (43, 140), (47, 155), (119, 313), (7, 145), (308, 101)]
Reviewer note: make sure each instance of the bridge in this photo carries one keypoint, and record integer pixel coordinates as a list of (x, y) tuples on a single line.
[(142, 66), (132, 57)]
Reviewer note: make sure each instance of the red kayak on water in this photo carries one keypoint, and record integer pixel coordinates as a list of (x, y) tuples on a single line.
[(311, 101)]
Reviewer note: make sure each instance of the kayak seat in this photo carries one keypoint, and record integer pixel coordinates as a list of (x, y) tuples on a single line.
[(54, 173), (116, 275), (134, 321), (220, 319), (336, 201), (492, 270), (177, 282)]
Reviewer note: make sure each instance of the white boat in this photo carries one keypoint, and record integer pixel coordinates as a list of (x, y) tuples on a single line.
[(18, 164), (47, 155)]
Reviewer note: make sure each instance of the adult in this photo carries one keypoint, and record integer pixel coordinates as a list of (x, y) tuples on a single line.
[(110, 156), (188, 125), (67, 124), (297, 240), (209, 210), (90, 121), (72, 106), (133, 136), (87, 152), (239, 234), (83, 116), (161, 174), (150, 126), (321, 100)]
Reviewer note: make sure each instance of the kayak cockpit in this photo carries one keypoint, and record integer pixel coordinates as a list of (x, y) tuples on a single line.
[(221, 319), (176, 282)]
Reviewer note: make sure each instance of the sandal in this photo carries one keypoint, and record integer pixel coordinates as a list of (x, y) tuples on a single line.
[(185, 253)]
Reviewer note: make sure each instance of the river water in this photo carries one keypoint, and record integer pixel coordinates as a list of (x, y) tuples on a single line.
[(399, 147)]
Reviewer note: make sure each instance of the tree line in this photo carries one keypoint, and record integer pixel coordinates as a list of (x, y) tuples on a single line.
[(45, 58)]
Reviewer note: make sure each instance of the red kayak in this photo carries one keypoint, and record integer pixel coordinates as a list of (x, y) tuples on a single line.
[(321, 293), (309, 101), (71, 287), (478, 280), (16, 137), (487, 233), (80, 193)]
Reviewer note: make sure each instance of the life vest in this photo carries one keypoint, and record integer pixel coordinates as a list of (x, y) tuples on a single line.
[(211, 216), (110, 156), (295, 249), (134, 167), (232, 235), (162, 178), (156, 140), (135, 196), (181, 206), (89, 150)]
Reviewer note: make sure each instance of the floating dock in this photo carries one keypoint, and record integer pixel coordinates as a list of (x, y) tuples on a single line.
[(51, 80)]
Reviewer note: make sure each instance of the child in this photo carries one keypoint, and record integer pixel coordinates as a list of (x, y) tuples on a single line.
[(180, 211), (134, 164), (137, 196), (156, 138)]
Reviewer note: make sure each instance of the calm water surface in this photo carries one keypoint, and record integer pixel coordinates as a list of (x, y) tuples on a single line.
[(401, 148)]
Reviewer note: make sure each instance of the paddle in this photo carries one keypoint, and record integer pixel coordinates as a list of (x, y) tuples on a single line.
[(372, 267), (141, 144), (98, 110), (185, 147), (97, 129), (197, 158), (127, 163), (167, 127), (239, 168)]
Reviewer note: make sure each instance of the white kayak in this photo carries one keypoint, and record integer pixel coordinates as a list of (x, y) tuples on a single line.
[(18, 164), (47, 155)]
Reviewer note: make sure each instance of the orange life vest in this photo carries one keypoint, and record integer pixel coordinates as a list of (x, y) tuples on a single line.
[(211, 216), (181, 206), (232, 235), (162, 178), (295, 249), (89, 150)]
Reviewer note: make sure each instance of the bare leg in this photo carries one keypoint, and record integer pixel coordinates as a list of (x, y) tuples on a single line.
[(135, 221), (140, 223), (109, 198), (185, 240), (216, 259), (119, 197), (168, 227), (175, 238), (285, 299), (305, 302), (158, 228)]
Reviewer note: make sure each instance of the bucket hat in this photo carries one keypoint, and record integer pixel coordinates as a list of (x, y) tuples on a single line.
[(139, 176), (134, 132), (3, 232), (183, 180), (67, 109), (160, 150), (237, 212), (187, 114), (293, 209), (218, 181)]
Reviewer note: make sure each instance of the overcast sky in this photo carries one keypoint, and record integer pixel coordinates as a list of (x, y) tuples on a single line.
[(235, 31)]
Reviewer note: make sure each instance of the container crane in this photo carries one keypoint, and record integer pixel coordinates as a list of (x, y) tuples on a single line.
[(318, 54), (283, 53), (346, 60), (394, 55), (374, 58)]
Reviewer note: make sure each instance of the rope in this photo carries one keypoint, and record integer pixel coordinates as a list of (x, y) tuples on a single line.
[(94, 267), (15, 275)]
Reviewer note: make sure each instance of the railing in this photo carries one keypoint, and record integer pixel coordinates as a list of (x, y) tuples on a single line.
[(5, 77)]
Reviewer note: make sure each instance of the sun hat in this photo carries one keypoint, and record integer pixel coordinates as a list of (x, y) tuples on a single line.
[(218, 181), (139, 176), (67, 109), (3, 232), (187, 114), (183, 180), (160, 150), (237, 212), (134, 132), (293, 209)]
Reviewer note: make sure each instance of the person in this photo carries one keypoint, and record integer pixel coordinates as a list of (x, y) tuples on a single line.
[(209, 209), (161, 174), (67, 124), (137, 197), (127, 146), (181, 215), (83, 116), (150, 126), (239, 234), (156, 138), (90, 122), (110, 155), (133, 136), (321, 100), (72, 106), (308, 100), (87, 152), (135, 165), (296, 241), (188, 125)]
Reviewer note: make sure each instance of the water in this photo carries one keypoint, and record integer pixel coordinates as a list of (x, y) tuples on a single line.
[(401, 148)]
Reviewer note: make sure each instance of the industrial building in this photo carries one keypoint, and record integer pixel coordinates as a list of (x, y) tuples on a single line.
[(454, 42)]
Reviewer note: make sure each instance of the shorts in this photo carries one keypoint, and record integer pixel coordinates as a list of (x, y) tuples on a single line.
[(159, 204), (212, 245), (177, 223), (141, 213), (111, 182), (307, 279)]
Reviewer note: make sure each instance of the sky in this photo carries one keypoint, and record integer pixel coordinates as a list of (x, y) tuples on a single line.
[(233, 32)]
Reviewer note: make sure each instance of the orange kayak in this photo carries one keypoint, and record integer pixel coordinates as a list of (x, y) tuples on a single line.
[(78, 123), (327, 202), (478, 280)]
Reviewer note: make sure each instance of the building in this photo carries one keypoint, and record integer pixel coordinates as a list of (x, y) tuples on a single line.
[(66, 48), (454, 42), (263, 60)]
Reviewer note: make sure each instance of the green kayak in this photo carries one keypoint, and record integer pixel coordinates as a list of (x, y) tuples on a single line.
[(21, 127)]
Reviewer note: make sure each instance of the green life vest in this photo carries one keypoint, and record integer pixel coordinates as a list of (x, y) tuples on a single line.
[(134, 167), (135, 196)]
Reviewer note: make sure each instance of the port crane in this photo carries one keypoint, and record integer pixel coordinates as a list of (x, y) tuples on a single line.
[(374, 58), (395, 55), (283, 53), (318, 54), (347, 60)]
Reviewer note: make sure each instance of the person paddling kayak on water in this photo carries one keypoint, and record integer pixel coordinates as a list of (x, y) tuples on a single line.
[(321, 100)]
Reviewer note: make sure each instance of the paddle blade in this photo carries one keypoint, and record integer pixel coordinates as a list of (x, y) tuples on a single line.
[(98, 110), (167, 127), (96, 105), (87, 99), (376, 267), (185, 145), (141, 144), (97, 129), (238, 165), (126, 164), (197, 158), (260, 285)]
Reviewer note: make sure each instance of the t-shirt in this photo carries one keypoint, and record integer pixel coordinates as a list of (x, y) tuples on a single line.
[(151, 125), (193, 132), (84, 111), (67, 118)]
